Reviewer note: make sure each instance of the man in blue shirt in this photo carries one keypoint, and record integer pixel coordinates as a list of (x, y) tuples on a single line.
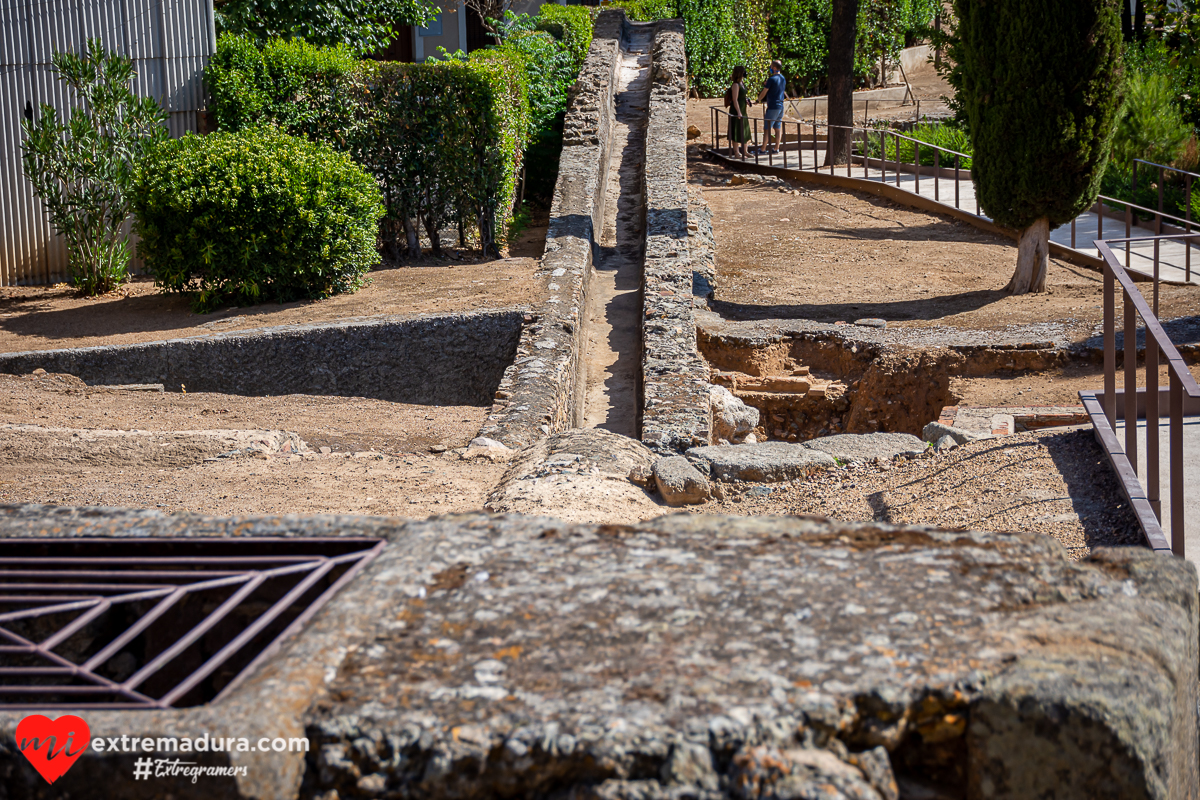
[(773, 91)]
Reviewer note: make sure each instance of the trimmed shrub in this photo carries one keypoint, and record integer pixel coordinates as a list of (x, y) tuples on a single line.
[(443, 139), (549, 68), (300, 87), (254, 217), (570, 25)]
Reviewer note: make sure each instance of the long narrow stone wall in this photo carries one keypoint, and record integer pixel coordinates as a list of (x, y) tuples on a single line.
[(676, 413), (450, 359), (542, 392)]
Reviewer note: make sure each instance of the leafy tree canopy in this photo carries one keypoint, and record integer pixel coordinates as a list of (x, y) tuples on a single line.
[(364, 25)]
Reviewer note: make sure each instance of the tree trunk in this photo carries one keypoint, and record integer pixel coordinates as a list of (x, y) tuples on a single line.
[(410, 234), (843, 30), (431, 230), (1033, 259), (1139, 20)]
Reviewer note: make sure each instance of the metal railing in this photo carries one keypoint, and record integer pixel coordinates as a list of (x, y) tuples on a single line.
[(865, 137), (1130, 404), (1181, 396), (193, 609), (866, 142)]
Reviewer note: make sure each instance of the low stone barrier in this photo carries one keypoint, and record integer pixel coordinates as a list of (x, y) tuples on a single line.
[(454, 359), (675, 408), (687, 656), (542, 392)]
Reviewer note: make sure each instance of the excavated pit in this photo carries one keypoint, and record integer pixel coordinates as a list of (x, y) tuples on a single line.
[(808, 387)]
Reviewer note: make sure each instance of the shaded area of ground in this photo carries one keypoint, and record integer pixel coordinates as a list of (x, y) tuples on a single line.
[(1054, 482), (45, 318)]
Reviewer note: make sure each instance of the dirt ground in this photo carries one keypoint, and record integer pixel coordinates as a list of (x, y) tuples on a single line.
[(379, 461), (1059, 387), (45, 318), (836, 255), (1054, 482)]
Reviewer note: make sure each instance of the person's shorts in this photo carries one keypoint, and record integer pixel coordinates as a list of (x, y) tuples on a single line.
[(773, 117)]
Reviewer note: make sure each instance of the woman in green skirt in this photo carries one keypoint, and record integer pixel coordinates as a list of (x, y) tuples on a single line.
[(739, 121)]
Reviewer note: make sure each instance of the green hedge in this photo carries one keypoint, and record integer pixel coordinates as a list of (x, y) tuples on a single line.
[(254, 217), (570, 25), (444, 140), (298, 86)]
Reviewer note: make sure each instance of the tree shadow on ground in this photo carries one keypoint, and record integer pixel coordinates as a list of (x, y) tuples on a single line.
[(930, 308), (1096, 495), (934, 230)]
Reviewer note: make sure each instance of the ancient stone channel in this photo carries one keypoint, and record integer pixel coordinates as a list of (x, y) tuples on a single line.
[(613, 355)]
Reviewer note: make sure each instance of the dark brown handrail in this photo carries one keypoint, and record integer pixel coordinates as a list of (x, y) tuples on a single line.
[(1181, 385)]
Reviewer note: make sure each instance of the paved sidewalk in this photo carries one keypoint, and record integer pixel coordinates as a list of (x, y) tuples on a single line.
[(1173, 256), (1191, 478)]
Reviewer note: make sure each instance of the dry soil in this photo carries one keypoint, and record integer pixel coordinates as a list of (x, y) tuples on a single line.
[(1055, 482), (379, 460), (46, 318)]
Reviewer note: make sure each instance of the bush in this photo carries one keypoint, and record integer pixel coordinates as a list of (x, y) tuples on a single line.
[(80, 168), (300, 87), (254, 217), (549, 68), (444, 140), (935, 134), (570, 25), (1149, 125)]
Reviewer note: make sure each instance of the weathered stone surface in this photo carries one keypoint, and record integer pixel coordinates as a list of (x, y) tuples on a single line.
[(733, 420), (766, 462), (936, 430), (540, 393), (451, 359), (946, 442), (848, 447), (34, 443), (583, 475), (675, 405), (680, 483), (482, 657)]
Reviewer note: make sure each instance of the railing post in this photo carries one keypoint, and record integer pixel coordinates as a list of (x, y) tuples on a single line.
[(917, 163), (1152, 478), (1131, 416), (1128, 232), (956, 180), (1176, 446), (1100, 224), (1156, 242), (1158, 218), (1187, 243), (1110, 346), (937, 173)]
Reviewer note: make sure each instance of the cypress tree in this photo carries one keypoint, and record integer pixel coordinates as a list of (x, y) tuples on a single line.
[(1039, 83)]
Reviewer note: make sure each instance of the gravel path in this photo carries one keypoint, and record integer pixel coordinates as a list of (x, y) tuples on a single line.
[(1052, 482)]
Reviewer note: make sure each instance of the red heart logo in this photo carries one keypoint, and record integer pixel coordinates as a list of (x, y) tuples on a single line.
[(52, 746)]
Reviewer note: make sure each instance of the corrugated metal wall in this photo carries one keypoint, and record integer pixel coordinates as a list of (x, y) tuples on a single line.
[(170, 42)]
